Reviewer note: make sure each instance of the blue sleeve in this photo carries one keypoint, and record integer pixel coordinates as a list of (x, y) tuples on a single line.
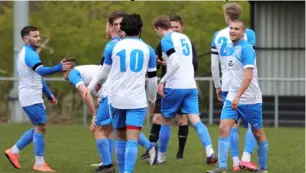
[(108, 52), (251, 37), (248, 56), (32, 59), (152, 60), (46, 90), (213, 45), (75, 78), (167, 44)]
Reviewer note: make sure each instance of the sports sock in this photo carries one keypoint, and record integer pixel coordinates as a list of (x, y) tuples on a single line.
[(234, 142), (164, 136), (250, 142), (223, 147), (154, 133), (204, 137), (103, 149), (111, 147), (25, 140), (130, 155), (39, 148), (120, 154), (182, 137), (262, 153), (143, 141)]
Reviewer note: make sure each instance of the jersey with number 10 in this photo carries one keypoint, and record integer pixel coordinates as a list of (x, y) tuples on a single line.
[(219, 44), (184, 76), (131, 59)]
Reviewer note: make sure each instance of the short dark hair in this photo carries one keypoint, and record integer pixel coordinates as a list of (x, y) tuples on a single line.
[(115, 15), (131, 24), (162, 22), (72, 61), (176, 18), (27, 29), (240, 21)]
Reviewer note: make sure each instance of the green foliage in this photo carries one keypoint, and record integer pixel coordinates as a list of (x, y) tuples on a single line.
[(77, 29)]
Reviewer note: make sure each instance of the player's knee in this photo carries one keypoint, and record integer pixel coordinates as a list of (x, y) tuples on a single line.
[(157, 119), (259, 134), (224, 128), (41, 128), (121, 134), (133, 132), (182, 120)]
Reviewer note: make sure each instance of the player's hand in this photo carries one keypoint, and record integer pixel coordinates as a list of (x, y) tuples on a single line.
[(53, 100), (161, 89), (66, 66), (235, 102), (98, 87), (161, 62), (93, 124), (219, 91), (86, 94), (151, 107)]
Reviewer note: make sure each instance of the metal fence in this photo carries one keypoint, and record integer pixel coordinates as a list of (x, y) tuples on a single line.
[(206, 91)]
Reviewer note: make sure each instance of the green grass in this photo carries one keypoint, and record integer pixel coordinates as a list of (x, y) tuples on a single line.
[(70, 149)]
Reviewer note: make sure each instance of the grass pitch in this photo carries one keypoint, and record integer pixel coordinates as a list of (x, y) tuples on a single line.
[(71, 149)]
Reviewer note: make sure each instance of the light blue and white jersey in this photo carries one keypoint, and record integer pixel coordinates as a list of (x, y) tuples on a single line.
[(30, 82), (130, 59), (179, 43), (242, 56), (84, 74), (220, 41)]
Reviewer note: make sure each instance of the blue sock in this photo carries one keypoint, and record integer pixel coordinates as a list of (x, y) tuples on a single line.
[(262, 153), (103, 149), (203, 133), (25, 139), (120, 153), (223, 146), (164, 135), (111, 147), (39, 144), (234, 139), (250, 141), (131, 154), (144, 141)]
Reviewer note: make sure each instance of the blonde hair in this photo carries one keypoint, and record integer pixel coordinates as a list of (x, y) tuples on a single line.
[(233, 10)]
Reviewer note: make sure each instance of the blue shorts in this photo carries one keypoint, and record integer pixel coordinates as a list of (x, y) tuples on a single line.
[(36, 113), (186, 99), (250, 113), (128, 117), (224, 95), (103, 117)]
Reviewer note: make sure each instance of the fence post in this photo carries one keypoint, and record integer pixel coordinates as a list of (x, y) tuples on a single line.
[(211, 103), (276, 101), (84, 114)]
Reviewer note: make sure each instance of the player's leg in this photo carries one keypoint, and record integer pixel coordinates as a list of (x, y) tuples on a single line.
[(169, 107), (252, 114), (12, 153), (119, 118), (182, 133), (227, 120), (190, 107), (38, 116), (144, 141), (234, 146), (249, 145), (134, 121), (103, 131)]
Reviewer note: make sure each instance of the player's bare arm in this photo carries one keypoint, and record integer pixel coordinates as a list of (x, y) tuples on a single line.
[(247, 78)]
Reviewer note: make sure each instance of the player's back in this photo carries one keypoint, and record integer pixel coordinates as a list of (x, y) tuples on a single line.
[(87, 72), (30, 82), (130, 62), (221, 41), (184, 76)]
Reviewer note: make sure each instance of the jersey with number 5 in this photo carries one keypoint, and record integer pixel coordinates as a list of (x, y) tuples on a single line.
[(130, 60), (220, 41), (179, 44)]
